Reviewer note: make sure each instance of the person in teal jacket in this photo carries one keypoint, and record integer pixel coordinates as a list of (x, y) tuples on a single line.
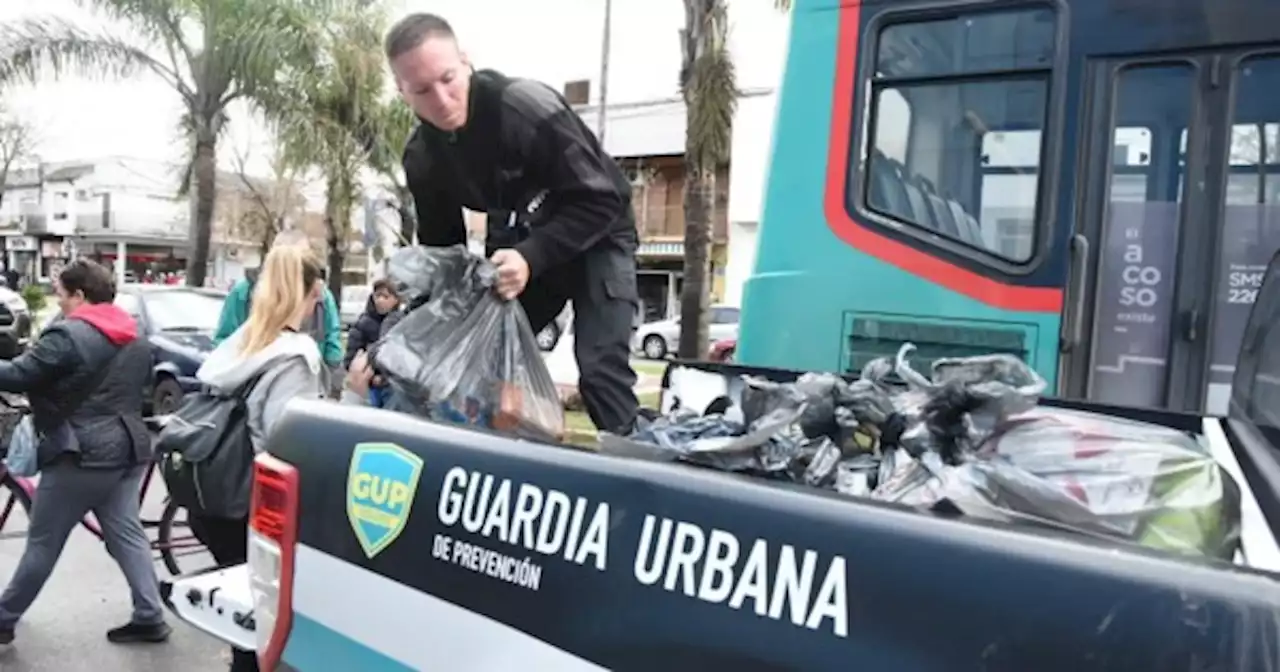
[(324, 325)]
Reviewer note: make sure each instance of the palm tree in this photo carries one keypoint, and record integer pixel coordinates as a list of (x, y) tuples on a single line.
[(328, 113), (708, 84), (210, 52), (709, 87), (395, 123)]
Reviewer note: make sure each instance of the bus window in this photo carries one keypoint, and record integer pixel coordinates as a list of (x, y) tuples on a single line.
[(894, 126), (959, 107), (1131, 164), (1251, 217), (1010, 171)]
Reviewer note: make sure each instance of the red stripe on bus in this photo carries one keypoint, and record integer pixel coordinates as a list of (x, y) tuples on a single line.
[(906, 257)]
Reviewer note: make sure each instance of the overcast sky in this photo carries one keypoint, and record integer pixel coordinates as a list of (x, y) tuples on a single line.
[(551, 40)]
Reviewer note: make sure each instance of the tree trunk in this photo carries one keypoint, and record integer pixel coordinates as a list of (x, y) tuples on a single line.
[(337, 216), (204, 174), (269, 232), (699, 189)]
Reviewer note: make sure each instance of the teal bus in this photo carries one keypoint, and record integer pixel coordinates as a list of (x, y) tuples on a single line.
[(1091, 185)]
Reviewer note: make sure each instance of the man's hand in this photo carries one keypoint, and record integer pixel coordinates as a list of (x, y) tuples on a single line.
[(513, 273), (359, 374)]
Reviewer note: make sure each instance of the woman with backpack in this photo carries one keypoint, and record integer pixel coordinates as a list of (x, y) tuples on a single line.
[(267, 361)]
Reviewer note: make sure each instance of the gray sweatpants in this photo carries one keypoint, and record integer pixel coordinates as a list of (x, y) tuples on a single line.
[(66, 493)]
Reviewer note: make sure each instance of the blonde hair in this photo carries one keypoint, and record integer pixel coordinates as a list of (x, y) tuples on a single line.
[(282, 292)]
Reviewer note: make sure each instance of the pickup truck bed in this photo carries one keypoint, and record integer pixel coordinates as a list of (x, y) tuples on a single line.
[(664, 566)]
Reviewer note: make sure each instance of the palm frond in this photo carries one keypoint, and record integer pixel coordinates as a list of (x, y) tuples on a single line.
[(251, 41), (395, 124), (713, 100), (158, 22), (328, 112), (29, 49)]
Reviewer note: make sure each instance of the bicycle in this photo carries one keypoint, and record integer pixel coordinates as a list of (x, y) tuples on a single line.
[(169, 544)]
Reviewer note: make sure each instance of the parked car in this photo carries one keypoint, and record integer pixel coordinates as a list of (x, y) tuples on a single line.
[(722, 350), (355, 298), (656, 340), (179, 322), (15, 323)]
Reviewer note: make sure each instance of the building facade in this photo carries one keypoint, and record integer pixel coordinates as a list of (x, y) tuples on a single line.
[(119, 211), (647, 139)]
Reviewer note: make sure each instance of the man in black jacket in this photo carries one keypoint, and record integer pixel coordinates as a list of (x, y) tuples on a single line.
[(85, 379), (563, 228)]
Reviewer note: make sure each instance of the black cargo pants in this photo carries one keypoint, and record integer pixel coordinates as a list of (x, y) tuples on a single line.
[(602, 285)]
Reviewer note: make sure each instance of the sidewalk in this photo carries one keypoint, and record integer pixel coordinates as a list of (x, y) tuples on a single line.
[(648, 375)]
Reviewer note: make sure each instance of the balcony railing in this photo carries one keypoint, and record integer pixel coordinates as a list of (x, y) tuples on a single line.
[(667, 221)]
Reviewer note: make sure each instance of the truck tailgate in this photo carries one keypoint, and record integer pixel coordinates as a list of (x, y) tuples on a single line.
[(217, 602)]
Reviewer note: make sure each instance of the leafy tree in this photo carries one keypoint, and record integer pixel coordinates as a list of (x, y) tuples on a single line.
[(210, 52), (328, 111)]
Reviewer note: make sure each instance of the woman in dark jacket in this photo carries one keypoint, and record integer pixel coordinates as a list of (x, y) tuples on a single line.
[(84, 378)]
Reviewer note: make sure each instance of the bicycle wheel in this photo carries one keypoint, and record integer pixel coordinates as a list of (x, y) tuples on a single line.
[(12, 494), (174, 540)]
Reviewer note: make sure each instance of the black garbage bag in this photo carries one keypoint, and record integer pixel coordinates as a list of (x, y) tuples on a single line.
[(813, 395), (769, 446), (951, 413), (1090, 474), (463, 354), (866, 407), (968, 439), (829, 407), (1103, 475)]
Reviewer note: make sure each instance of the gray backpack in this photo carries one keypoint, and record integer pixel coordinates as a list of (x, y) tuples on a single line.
[(206, 453)]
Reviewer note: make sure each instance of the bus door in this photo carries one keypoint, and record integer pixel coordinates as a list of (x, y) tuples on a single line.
[(1178, 219)]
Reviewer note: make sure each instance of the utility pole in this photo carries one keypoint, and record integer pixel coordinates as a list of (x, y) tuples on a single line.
[(604, 70)]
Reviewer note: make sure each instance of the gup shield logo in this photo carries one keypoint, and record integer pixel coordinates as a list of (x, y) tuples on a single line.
[(381, 484)]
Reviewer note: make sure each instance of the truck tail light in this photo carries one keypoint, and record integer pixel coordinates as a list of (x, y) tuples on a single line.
[(273, 538)]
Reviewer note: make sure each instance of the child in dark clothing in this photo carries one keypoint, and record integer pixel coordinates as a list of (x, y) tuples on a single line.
[(368, 328)]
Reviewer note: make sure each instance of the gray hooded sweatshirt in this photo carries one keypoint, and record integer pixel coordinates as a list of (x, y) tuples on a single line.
[(290, 369)]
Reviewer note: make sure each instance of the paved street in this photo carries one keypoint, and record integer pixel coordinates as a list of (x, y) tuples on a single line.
[(66, 629)]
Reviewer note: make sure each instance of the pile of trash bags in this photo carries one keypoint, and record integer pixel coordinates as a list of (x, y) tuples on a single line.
[(462, 354), (969, 438)]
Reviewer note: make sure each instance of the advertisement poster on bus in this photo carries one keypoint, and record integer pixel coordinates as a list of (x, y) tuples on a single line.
[(1135, 303), (1251, 235)]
